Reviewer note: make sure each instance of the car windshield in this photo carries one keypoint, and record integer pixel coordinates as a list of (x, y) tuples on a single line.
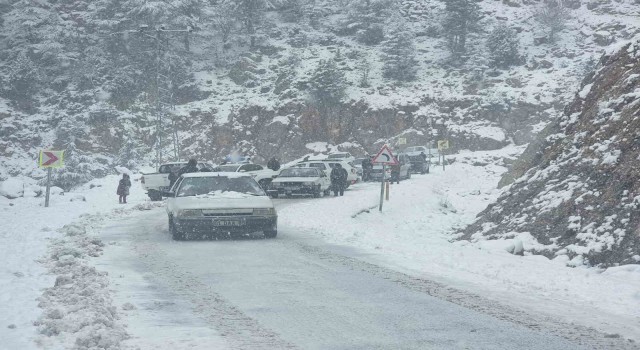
[(300, 172), (218, 186), (227, 168)]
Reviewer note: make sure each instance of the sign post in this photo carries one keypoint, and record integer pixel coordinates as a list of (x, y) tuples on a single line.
[(384, 157), (442, 146), (50, 160)]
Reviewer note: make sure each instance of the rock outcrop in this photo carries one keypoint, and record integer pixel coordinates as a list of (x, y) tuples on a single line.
[(580, 198)]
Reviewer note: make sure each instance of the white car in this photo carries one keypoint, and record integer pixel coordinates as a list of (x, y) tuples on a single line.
[(219, 204), (327, 165), (263, 176), (300, 181)]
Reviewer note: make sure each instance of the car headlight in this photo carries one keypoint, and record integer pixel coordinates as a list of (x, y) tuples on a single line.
[(264, 211), (190, 213)]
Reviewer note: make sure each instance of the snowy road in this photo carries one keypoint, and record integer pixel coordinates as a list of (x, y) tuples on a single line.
[(292, 292)]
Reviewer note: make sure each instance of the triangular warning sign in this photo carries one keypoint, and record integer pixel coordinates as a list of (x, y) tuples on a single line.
[(385, 157)]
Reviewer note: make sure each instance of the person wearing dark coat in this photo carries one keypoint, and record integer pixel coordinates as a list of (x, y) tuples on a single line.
[(173, 176), (395, 172), (123, 189), (338, 180), (273, 164), (367, 166), (191, 167)]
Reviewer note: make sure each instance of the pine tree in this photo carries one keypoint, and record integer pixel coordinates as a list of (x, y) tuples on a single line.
[(368, 18), (503, 46), (327, 84), (399, 55), (250, 14), (461, 18)]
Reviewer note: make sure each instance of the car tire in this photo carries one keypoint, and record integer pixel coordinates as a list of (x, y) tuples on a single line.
[(317, 193), (155, 196), (270, 234), (176, 234)]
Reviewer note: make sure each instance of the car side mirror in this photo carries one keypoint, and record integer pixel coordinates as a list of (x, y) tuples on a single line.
[(168, 194)]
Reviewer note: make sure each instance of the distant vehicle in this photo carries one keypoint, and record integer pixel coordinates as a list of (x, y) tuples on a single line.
[(327, 164), (357, 163), (405, 169), (156, 183), (262, 175), (419, 165), (346, 156), (219, 203), (300, 181)]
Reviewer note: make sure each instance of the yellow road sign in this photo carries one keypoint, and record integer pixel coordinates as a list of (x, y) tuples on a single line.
[(51, 159), (443, 144)]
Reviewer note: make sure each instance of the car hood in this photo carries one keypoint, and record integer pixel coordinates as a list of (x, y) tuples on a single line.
[(295, 179), (212, 202)]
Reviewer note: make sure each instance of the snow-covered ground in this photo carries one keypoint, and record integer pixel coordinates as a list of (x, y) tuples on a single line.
[(414, 234), (33, 242), (50, 277)]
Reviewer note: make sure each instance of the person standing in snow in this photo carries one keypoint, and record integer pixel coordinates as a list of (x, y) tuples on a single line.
[(367, 166), (273, 164), (338, 180), (123, 189), (395, 172)]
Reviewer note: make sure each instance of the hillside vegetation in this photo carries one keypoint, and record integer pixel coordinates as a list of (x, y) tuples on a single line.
[(273, 77)]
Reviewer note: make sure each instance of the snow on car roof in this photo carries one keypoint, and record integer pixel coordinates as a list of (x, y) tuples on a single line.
[(214, 174)]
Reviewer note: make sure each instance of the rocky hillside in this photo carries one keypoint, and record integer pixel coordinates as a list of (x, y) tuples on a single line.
[(77, 75), (579, 199)]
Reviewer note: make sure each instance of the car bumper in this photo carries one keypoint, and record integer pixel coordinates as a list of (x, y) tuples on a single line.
[(211, 224), (299, 190)]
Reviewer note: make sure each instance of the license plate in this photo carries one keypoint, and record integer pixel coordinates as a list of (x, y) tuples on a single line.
[(228, 222)]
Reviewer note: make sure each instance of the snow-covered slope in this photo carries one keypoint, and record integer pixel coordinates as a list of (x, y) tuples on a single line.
[(256, 99), (579, 201)]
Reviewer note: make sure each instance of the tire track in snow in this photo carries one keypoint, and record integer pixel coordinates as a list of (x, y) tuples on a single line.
[(581, 335), (238, 330)]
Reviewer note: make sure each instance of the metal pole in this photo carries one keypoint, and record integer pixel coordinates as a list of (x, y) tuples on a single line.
[(46, 198), (384, 172)]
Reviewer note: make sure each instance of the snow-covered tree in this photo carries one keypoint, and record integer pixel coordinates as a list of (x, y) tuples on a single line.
[(503, 46), (461, 17), (399, 55), (368, 17), (250, 14), (328, 84), (552, 16)]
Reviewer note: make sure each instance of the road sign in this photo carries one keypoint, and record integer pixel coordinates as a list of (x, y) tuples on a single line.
[(443, 144), (385, 157), (51, 159), (402, 141)]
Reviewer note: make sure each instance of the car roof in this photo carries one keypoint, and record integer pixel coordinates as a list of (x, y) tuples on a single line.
[(325, 160), (216, 174)]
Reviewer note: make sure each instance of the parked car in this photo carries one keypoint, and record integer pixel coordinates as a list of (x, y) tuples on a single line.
[(221, 204), (262, 175), (357, 163), (300, 181), (156, 183), (405, 169), (327, 164), (346, 156)]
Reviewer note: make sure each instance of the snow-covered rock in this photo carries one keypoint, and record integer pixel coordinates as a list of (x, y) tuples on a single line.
[(12, 188)]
